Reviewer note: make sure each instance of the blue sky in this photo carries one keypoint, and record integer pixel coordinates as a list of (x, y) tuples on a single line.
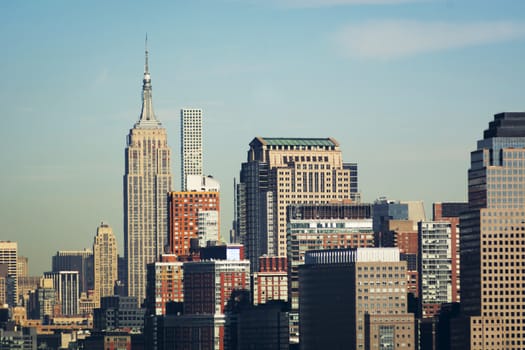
[(406, 87)]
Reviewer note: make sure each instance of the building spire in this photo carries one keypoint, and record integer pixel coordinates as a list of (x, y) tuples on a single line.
[(147, 102)]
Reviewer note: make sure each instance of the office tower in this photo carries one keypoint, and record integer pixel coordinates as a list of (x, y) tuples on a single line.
[(209, 290), (283, 171), (322, 226), (66, 285), (436, 285), (118, 312), (22, 266), (493, 237), (147, 181), (385, 210), (451, 212), (9, 257), (438, 258), (192, 214), (271, 281), (164, 284), (76, 260), (104, 262), (263, 326), (190, 144), (42, 300), (354, 299)]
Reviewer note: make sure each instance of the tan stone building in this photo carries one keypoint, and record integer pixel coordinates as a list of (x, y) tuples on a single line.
[(493, 239), (104, 262), (284, 171)]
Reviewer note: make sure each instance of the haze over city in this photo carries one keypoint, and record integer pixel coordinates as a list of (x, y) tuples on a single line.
[(405, 87)]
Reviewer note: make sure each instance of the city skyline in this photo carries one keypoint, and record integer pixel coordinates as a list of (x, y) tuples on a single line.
[(408, 116)]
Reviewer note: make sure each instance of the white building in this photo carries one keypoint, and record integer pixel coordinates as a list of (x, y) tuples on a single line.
[(66, 287), (147, 180), (9, 256), (191, 144)]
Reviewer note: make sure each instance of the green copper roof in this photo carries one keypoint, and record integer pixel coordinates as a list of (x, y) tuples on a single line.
[(281, 141)]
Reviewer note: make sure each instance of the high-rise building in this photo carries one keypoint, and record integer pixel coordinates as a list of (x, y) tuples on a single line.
[(208, 293), (322, 226), (438, 258), (493, 237), (42, 301), (190, 144), (147, 181), (9, 257), (104, 262), (165, 280), (192, 214), (283, 171), (354, 299), (22, 266), (66, 287), (75, 260), (271, 281), (436, 286)]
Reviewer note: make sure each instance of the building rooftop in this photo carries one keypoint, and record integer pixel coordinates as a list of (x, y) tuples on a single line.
[(284, 141), (507, 124)]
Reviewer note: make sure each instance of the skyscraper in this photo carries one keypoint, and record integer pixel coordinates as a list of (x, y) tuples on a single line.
[(9, 257), (354, 299), (190, 144), (104, 262), (66, 288), (147, 181), (284, 171), (493, 238)]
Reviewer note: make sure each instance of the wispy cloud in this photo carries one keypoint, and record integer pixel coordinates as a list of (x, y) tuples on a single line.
[(392, 39), (331, 3)]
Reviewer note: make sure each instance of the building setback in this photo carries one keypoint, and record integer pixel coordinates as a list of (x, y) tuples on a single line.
[(493, 238), (147, 180)]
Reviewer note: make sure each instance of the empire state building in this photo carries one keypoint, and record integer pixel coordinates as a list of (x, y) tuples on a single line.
[(147, 181)]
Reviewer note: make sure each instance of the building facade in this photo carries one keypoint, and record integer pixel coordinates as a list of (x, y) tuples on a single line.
[(104, 262), (351, 298), (9, 258), (165, 284), (190, 144), (186, 211), (493, 237), (271, 281), (147, 181), (283, 171), (67, 290), (76, 260)]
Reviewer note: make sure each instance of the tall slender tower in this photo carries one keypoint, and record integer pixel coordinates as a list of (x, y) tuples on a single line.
[(147, 181), (191, 144), (493, 238), (104, 262)]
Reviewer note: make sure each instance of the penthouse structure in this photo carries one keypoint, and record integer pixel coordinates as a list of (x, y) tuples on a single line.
[(283, 171)]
